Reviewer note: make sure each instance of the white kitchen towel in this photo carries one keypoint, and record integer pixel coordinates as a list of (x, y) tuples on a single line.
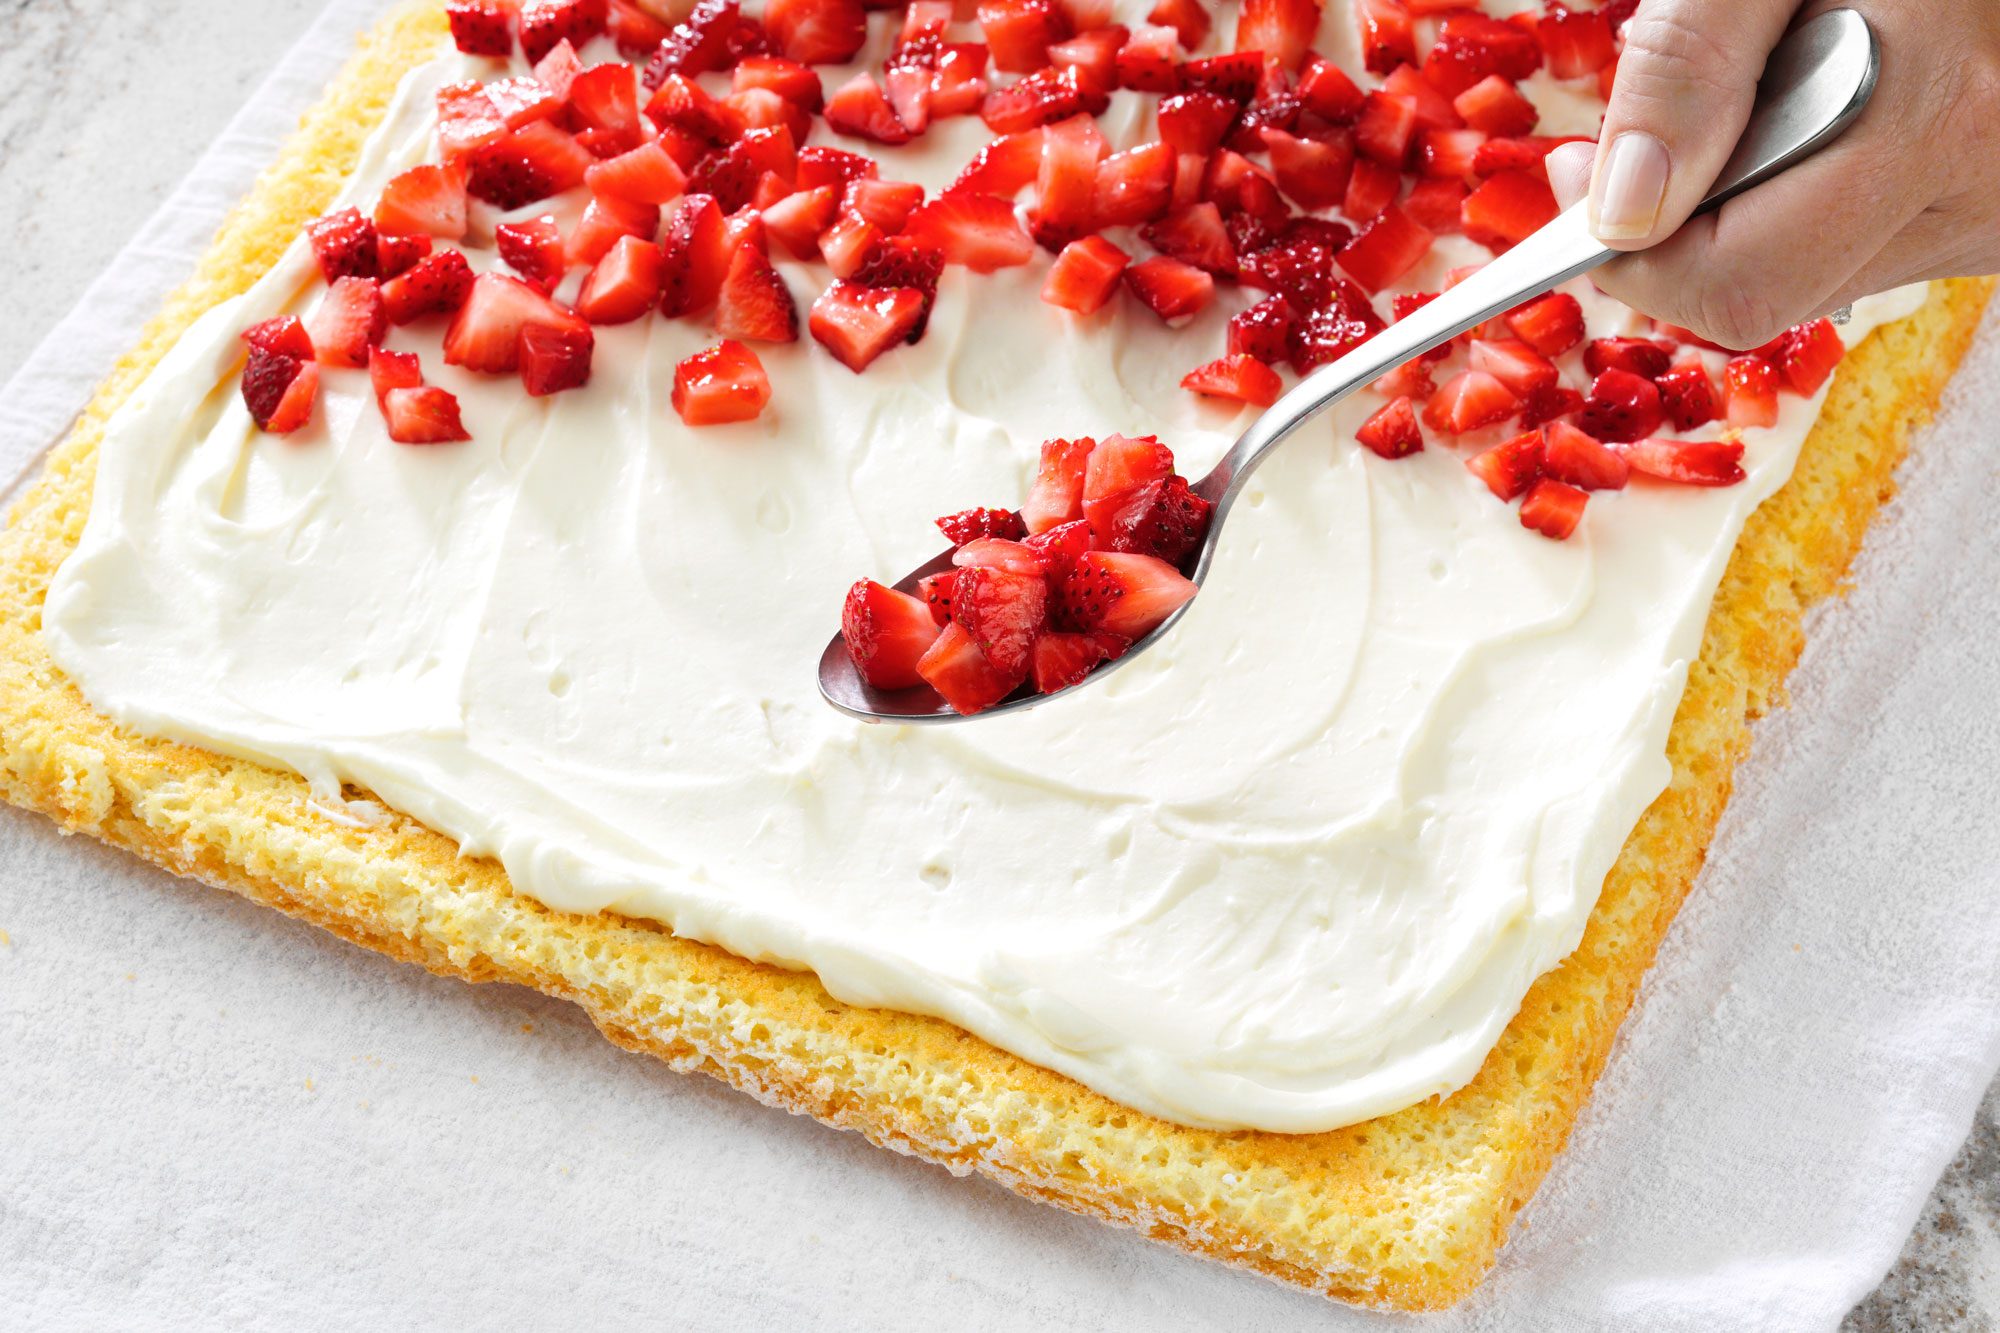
[(212, 1115)]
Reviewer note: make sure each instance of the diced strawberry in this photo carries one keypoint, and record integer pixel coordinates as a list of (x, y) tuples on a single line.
[(1807, 354), (1146, 61), (1687, 395), (1495, 106), (286, 335), (1552, 508), (1749, 393), (1575, 42), (901, 262), (1094, 55), (1239, 376), (1117, 465), (279, 390), (1621, 406), (1510, 467), (534, 249), (345, 244), (1234, 185), (521, 99), (696, 256), (762, 109), (485, 335), (820, 165), (1469, 400), (635, 32), (699, 44), (425, 200), (1134, 186), (971, 524), (721, 384), (1170, 289), (789, 79), (1392, 432), (754, 302), (534, 162), (999, 553), (1188, 18), (978, 231), (606, 220), (1194, 235), (1371, 187), (1124, 594), (422, 414), (1196, 122), (647, 174), (397, 255), (350, 319), (1066, 181), (1018, 32), (1471, 45), (606, 97), (1690, 462), (1313, 173), (1447, 154), (1550, 324), (816, 32), (848, 243), (957, 670), (1060, 660), (393, 370), (1263, 331), (1385, 128), (625, 284), (544, 23), (559, 68), (1002, 612), (680, 104), (859, 108), (482, 27), (858, 324), (1003, 166), (887, 631), (1507, 208), (1042, 98), (1326, 90), (1542, 406), (887, 204), (1060, 546), (908, 88), (935, 591), (1085, 275), (1410, 380), (958, 83), (1057, 495), (437, 285), (1582, 460), (1385, 249), (1281, 29), (1526, 154), (555, 357), (1387, 38), (1434, 205), (467, 121), (1642, 356), (798, 219), (1515, 364)]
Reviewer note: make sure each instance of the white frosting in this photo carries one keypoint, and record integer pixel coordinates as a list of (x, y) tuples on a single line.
[(1294, 868)]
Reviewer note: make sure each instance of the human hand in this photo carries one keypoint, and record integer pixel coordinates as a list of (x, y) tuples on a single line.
[(1910, 191)]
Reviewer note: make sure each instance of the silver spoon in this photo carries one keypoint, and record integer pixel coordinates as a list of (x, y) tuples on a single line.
[(1815, 83)]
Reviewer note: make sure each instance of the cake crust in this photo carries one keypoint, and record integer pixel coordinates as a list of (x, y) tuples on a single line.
[(1406, 1211)]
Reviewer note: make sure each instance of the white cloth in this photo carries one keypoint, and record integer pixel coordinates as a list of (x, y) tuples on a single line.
[(210, 1113)]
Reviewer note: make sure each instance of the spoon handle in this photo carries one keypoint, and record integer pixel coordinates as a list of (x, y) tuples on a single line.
[(1816, 82)]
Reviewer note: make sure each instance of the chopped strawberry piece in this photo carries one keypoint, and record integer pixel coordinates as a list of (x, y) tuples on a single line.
[(1527, 154), (1134, 186), (425, 200), (1575, 42), (901, 262), (606, 97), (816, 32), (1385, 249), (1687, 395), (521, 99), (1515, 364), (935, 590), (1313, 173), (957, 670), (1281, 29), (1059, 547), (1057, 495), (1146, 61), (887, 633), (1326, 90), (908, 88), (721, 384), (858, 324), (1124, 594), (1507, 208), (1495, 106), (279, 390), (647, 174), (485, 335), (958, 83), (1239, 376), (1042, 98), (1117, 466), (1621, 406), (605, 221), (1234, 185), (1582, 460), (1085, 275), (1545, 405), (1196, 122), (1188, 18), (1059, 660), (1550, 324), (534, 162), (397, 255), (1447, 154), (1003, 166), (789, 79), (1393, 431), (482, 27), (1434, 205), (636, 32), (534, 249), (559, 68), (681, 104), (1807, 355), (1170, 289), (1510, 467), (286, 335), (344, 243), (437, 285), (1066, 181), (848, 243), (350, 319), (1642, 356), (999, 553), (1749, 393), (1385, 129), (1469, 400), (1330, 332), (1299, 265), (1552, 508), (1410, 380), (423, 414), (1371, 188), (887, 204), (1018, 32), (754, 302), (971, 524), (698, 44), (1471, 45), (1094, 55), (625, 284), (555, 357), (467, 121), (820, 165), (544, 23), (1263, 331), (859, 108), (1690, 462), (1387, 38), (696, 257), (1194, 235), (1002, 612), (978, 231), (798, 219), (393, 370)]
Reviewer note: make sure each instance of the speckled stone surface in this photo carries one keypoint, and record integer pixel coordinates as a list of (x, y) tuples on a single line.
[(105, 105)]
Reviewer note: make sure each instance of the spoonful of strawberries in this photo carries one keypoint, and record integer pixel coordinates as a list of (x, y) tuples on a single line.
[(982, 653)]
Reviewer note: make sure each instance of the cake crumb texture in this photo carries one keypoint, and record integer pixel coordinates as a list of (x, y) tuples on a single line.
[(1406, 1211)]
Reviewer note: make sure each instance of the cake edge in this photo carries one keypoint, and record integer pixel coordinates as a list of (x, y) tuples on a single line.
[(1404, 1212)]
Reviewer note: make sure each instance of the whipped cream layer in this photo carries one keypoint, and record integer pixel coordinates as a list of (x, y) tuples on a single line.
[(1294, 868)]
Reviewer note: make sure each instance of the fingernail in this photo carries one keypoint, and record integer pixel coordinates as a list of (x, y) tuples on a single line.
[(1631, 186)]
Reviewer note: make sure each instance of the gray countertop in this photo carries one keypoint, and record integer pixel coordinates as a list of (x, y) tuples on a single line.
[(104, 107)]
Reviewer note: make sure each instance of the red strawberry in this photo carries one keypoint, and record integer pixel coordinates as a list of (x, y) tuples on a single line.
[(936, 591), (1018, 32), (858, 324), (848, 243), (636, 32), (1237, 376), (970, 524), (1002, 612), (1188, 18), (1044, 97), (1515, 364), (397, 255), (697, 45), (1196, 122), (900, 262), (789, 79), (436, 286), (1507, 208), (887, 632), (544, 23), (697, 257), (1170, 289), (559, 68), (344, 243), (423, 414), (798, 219), (1313, 173), (1393, 431), (1550, 324), (1163, 519), (605, 221), (816, 32), (1570, 455), (534, 162), (719, 384), (534, 249), (1124, 594), (350, 319), (1687, 395), (754, 302), (393, 370), (1146, 61), (1385, 249), (1326, 91), (1510, 467), (978, 231), (647, 174), (820, 165), (1057, 495), (1410, 380), (999, 553), (1749, 392), (521, 99), (1642, 356), (606, 97), (1060, 546), (1691, 462), (957, 670), (1807, 355), (485, 334), (1385, 129), (1435, 205), (1003, 166), (1552, 508), (1263, 331), (1094, 55), (425, 200), (1621, 406), (958, 84), (555, 357), (1495, 106), (1545, 405), (1281, 29), (1085, 275), (1387, 39), (1575, 42), (625, 284), (286, 335), (1120, 464), (1526, 154), (1059, 660), (1469, 400), (1371, 189), (1330, 332), (482, 27), (859, 108), (887, 204), (467, 121), (681, 105), (1134, 186), (279, 390), (1066, 181)]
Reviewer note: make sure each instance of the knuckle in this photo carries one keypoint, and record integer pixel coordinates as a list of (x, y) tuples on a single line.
[(1735, 313), (1672, 53)]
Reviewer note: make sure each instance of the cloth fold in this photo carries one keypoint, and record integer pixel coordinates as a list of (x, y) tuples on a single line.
[(212, 1111)]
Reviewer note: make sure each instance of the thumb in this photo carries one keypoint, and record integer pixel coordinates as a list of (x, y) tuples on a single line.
[(1682, 95)]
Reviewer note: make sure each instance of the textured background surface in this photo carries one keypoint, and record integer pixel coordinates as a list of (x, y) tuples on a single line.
[(102, 109)]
